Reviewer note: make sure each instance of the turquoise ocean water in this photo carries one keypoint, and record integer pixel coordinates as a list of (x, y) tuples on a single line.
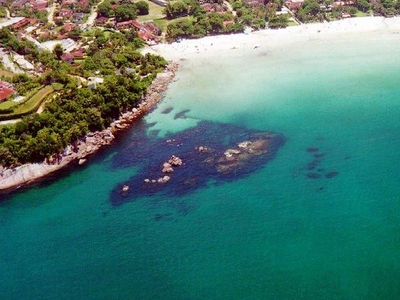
[(275, 234)]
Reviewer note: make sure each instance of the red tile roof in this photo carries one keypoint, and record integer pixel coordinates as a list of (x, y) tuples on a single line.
[(6, 90)]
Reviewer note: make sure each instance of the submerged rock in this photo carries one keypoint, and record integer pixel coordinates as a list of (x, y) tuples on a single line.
[(227, 152), (312, 149), (167, 168), (167, 110), (331, 174), (181, 114), (313, 175), (175, 161)]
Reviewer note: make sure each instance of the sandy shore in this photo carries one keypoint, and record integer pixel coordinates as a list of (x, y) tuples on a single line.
[(13, 178), (216, 45)]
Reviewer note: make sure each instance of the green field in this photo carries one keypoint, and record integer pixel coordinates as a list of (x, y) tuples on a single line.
[(6, 73), (34, 101), (156, 14), (28, 106)]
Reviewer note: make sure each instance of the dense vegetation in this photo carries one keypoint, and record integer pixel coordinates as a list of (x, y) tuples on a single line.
[(192, 21), (76, 110), (123, 12)]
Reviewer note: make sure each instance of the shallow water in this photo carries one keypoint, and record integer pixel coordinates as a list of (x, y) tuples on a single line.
[(275, 234)]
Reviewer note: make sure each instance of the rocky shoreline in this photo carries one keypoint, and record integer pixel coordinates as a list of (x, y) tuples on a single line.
[(14, 178)]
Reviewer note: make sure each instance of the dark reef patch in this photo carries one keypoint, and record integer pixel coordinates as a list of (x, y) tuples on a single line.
[(315, 168), (181, 114), (313, 175), (167, 110), (312, 149), (180, 163), (331, 174)]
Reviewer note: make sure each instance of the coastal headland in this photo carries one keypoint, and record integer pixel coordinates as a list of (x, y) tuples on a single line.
[(13, 178), (186, 51)]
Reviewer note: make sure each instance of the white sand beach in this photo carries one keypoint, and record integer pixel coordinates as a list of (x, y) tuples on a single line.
[(270, 38)]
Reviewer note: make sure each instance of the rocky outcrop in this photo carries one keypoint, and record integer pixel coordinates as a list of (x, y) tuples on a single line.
[(175, 161), (209, 153), (91, 143), (238, 157), (167, 168)]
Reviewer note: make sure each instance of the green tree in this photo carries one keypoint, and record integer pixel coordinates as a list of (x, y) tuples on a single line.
[(58, 51), (125, 12), (142, 8), (363, 5), (176, 9), (105, 10)]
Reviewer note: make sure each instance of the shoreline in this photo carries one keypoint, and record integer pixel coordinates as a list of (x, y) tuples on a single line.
[(238, 43), (211, 46), (12, 179)]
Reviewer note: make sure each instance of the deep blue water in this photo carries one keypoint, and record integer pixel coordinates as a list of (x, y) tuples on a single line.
[(275, 233)]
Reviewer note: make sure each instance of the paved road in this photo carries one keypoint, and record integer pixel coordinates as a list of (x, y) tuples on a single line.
[(50, 17)]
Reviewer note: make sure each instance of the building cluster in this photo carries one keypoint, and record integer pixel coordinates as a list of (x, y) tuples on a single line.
[(295, 5), (32, 5), (147, 31)]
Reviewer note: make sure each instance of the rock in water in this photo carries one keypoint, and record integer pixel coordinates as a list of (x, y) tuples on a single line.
[(208, 152), (175, 161), (167, 168), (313, 175), (331, 174), (312, 149)]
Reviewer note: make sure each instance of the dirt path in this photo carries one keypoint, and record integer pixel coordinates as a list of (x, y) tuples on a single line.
[(93, 15), (50, 18)]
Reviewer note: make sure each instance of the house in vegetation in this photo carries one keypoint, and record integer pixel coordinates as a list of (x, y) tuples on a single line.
[(147, 31), (101, 20), (229, 22), (342, 3), (160, 2), (20, 3), (78, 17), (39, 5), (65, 13), (294, 5), (23, 23), (68, 3), (67, 57), (94, 81), (23, 63), (6, 90), (124, 25), (152, 28), (69, 26), (79, 53), (208, 7)]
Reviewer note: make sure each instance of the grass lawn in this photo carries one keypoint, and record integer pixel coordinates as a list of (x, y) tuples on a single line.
[(34, 101), (6, 73), (362, 14), (155, 12), (292, 23), (7, 104)]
